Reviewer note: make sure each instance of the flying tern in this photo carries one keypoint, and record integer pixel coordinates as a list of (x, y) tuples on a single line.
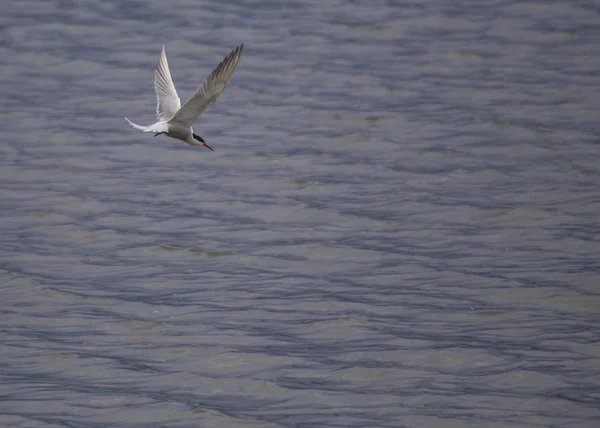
[(175, 120)]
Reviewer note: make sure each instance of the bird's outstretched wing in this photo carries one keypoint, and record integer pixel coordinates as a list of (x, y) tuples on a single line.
[(168, 102), (210, 89)]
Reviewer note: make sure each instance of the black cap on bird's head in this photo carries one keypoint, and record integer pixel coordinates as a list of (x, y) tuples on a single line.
[(199, 138)]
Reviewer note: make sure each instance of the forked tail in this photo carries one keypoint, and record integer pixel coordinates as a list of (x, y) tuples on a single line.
[(158, 127)]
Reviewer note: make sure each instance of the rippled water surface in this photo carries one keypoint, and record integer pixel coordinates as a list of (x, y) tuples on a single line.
[(398, 226)]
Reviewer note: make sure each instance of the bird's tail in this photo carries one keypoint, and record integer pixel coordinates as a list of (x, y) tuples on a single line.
[(156, 127), (136, 126)]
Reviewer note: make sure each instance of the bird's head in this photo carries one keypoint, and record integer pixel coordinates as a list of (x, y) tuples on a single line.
[(201, 142)]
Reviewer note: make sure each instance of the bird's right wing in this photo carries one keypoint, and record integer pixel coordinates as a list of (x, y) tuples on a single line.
[(210, 89), (166, 96)]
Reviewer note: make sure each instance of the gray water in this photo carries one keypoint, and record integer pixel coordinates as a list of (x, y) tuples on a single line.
[(398, 227)]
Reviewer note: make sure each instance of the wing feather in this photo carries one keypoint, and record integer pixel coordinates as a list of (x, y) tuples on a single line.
[(210, 89), (168, 102)]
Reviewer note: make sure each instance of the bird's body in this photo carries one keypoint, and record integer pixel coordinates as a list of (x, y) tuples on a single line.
[(176, 121)]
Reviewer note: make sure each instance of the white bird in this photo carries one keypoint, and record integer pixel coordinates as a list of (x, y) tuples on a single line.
[(176, 121)]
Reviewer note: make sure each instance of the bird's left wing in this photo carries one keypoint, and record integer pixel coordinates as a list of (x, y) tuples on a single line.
[(168, 102)]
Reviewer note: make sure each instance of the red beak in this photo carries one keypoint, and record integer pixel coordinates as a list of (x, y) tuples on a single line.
[(207, 146)]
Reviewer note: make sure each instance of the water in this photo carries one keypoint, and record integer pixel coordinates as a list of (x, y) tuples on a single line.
[(398, 226)]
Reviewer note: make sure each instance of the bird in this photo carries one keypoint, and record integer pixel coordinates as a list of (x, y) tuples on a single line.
[(175, 120)]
